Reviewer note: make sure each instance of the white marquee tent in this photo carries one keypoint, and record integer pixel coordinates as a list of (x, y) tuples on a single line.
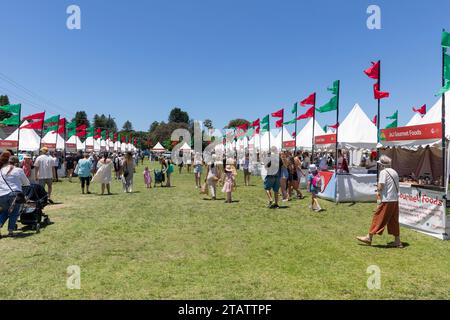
[(29, 139), (304, 137), (53, 139)]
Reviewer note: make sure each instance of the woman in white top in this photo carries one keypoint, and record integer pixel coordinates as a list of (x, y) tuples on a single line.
[(103, 175), (11, 181)]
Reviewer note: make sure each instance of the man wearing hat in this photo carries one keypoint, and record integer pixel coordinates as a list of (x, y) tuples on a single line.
[(45, 171), (387, 213)]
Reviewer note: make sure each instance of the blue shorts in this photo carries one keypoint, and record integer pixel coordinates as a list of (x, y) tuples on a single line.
[(272, 183), (284, 173)]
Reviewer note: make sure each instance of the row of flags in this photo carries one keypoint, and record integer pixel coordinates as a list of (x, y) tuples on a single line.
[(58, 125)]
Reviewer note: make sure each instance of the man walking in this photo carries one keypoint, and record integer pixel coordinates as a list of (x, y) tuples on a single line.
[(387, 214), (45, 171)]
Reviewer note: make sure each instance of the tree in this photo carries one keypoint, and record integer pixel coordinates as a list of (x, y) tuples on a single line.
[(81, 118), (163, 132), (4, 101), (153, 126), (99, 121), (111, 124), (236, 123), (127, 126), (178, 116), (208, 124)]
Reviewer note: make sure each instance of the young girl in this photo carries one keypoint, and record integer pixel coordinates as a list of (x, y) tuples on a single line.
[(314, 181), (147, 178), (229, 183)]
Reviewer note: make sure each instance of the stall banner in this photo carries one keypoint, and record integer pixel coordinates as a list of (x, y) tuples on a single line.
[(71, 147), (422, 209), (289, 144), (419, 132), (326, 139), (49, 146), (8, 144)]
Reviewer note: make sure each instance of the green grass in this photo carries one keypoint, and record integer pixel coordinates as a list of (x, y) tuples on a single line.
[(173, 244)]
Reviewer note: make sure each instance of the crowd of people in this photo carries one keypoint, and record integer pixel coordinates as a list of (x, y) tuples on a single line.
[(282, 177)]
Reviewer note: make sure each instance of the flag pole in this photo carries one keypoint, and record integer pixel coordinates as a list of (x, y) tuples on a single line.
[(337, 138), (296, 116), (282, 131), (313, 131), (268, 125), (56, 135), (18, 128), (443, 119), (42, 131), (378, 120)]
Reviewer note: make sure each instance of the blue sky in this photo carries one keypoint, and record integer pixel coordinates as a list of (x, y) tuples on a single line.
[(218, 59)]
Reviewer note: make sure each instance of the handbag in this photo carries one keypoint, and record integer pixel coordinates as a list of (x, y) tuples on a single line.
[(19, 196)]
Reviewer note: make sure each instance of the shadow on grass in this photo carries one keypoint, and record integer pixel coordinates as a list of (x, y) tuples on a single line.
[(217, 199), (384, 246)]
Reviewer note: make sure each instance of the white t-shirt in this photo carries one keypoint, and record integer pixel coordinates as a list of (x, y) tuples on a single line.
[(391, 186), (45, 163), (16, 179)]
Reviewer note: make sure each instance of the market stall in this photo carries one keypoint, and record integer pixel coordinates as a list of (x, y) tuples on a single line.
[(417, 156)]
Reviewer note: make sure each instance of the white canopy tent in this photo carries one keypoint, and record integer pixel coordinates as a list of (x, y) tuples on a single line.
[(185, 147), (158, 148), (357, 131), (29, 139), (74, 143), (53, 141), (304, 137)]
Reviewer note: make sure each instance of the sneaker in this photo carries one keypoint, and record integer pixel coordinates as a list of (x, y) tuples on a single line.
[(270, 204), (274, 206)]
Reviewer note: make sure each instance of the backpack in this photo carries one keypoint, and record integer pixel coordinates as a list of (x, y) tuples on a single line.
[(317, 182)]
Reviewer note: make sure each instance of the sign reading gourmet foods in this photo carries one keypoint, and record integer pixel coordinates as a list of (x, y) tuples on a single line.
[(420, 132), (326, 139), (423, 209)]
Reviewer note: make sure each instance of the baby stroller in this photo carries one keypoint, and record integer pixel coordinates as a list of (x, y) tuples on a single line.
[(31, 213), (159, 177)]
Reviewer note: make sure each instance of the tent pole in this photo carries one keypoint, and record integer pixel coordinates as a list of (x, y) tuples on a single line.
[(444, 174)]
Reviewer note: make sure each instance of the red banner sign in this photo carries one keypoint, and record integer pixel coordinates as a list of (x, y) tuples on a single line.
[(8, 144), (71, 146), (289, 144), (420, 132), (50, 146), (326, 139)]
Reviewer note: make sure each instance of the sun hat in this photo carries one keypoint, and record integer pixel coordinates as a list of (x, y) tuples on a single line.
[(385, 161), (228, 168), (313, 168), (27, 156), (44, 149)]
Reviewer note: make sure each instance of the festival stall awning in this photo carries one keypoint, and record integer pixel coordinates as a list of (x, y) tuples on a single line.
[(29, 140), (185, 147), (52, 141), (357, 131), (304, 137), (418, 135), (158, 148)]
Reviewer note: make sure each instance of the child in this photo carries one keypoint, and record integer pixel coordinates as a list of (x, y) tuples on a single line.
[(229, 183), (314, 181), (147, 178)]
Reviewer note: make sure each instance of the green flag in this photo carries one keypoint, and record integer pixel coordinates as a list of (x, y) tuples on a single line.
[(111, 136), (265, 128), (290, 122), (335, 88), (51, 128), (12, 108), (11, 121), (394, 116), (393, 125), (330, 106), (265, 120), (71, 133), (250, 132), (72, 125), (52, 120), (294, 110), (103, 134), (444, 89), (90, 132), (325, 129), (446, 67), (445, 39)]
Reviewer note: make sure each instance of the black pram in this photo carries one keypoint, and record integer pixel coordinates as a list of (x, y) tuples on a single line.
[(31, 213), (159, 177)]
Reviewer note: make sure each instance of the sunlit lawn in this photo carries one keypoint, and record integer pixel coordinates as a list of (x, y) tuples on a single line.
[(171, 243)]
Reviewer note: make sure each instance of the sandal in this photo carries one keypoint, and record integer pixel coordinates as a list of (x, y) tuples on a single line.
[(395, 245), (365, 240)]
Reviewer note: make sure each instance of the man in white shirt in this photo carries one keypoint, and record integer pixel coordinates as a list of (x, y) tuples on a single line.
[(45, 171), (387, 214)]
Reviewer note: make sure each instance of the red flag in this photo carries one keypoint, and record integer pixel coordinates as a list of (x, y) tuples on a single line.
[(422, 110), (310, 101), (116, 137), (81, 133), (335, 126), (279, 123), (62, 126), (243, 127), (36, 116), (374, 71), (37, 125), (82, 127), (278, 114), (294, 134), (308, 114), (379, 94), (257, 123), (98, 133), (375, 120)]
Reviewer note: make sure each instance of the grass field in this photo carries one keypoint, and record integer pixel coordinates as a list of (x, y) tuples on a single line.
[(173, 244)]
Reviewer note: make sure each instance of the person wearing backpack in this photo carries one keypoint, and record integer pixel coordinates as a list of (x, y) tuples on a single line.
[(387, 213), (315, 186)]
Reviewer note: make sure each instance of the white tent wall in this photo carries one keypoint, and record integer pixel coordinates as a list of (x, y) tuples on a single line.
[(415, 120), (304, 137), (434, 115), (97, 145)]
